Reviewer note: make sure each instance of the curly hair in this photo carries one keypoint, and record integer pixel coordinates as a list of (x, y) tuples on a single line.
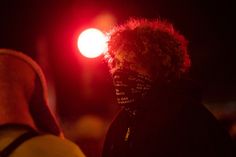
[(152, 44)]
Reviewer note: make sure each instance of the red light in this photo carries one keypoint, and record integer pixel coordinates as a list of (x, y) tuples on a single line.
[(92, 43)]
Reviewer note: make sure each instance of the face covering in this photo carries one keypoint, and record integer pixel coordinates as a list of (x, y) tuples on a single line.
[(130, 86)]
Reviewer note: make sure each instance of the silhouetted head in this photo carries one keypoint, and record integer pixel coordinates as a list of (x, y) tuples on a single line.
[(142, 52)]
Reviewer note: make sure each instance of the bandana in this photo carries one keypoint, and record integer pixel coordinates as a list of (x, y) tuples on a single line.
[(130, 86)]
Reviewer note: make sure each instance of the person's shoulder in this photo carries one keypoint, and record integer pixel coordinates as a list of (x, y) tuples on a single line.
[(50, 145), (53, 140)]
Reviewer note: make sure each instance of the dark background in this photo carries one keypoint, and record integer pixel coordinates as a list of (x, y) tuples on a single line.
[(81, 88)]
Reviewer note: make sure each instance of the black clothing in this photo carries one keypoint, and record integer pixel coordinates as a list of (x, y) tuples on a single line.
[(169, 122)]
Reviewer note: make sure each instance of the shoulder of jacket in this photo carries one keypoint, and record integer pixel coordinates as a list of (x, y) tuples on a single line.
[(51, 145)]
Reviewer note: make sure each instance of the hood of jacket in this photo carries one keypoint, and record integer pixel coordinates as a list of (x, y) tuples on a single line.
[(43, 118)]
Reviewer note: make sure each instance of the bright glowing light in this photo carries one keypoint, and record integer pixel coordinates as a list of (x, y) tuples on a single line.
[(92, 43)]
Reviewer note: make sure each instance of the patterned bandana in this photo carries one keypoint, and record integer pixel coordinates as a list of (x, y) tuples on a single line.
[(130, 86)]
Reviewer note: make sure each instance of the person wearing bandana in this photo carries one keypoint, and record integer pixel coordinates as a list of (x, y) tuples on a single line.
[(161, 108)]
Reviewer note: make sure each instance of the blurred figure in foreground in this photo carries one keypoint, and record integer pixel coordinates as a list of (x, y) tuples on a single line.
[(162, 114), (27, 126)]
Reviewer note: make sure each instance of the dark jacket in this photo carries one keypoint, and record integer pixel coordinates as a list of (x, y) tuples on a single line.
[(169, 122)]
